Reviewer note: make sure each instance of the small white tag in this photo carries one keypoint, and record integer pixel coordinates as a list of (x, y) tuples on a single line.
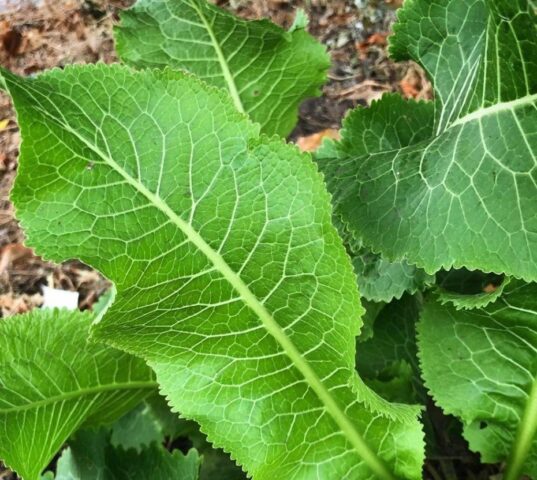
[(55, 298)]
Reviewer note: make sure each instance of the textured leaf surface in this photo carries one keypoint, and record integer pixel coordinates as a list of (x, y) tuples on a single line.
[(266, 70), (137, 429), (90, 456), (379, 279), (453, 186), (231, 280), (480, 365), (52, 381)]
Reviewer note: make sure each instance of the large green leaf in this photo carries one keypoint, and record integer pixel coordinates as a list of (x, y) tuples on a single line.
[(453, 186), (481, 365), (52, 381), (91, 456), (266, 70), (231, 280)]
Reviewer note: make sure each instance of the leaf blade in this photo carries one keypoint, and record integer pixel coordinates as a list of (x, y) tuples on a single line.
[(53, 382), (491, 371), (462, 197), (265, 198), (266, 70)]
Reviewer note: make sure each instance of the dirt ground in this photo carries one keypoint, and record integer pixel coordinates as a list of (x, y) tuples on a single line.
[(61, 32)]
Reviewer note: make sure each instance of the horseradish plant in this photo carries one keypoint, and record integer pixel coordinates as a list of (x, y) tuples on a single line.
[(235, 298)]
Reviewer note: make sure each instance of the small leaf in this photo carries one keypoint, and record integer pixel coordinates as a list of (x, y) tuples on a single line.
[(388, 360), (480, 365), (137, 429), (52, 381), (380, 280), (231, 280), (266, 70), (91, 456), (466, 290), (450, 184), (154, 422)]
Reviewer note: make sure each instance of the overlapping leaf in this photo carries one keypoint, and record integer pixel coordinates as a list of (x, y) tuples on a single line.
[(231, 280), (467, 290), (388, 360), (266, 70), (458, 186), (379, 280), (52, 381), (153, 422), (91, 456), (480, 365)]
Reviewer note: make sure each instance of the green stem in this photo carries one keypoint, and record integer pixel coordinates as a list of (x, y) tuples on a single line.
[(524, 437)]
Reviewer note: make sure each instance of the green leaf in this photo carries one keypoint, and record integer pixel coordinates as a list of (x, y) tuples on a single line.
[(154, 422), (480, 365), (372, 310), (466, 290), (52, 381), (90, 456), (379, 279), (389, 357), (453, 185), (231, 280), (137, 429), (266, 70)]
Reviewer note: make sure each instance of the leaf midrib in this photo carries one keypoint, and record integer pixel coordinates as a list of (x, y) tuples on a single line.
[(81, 393), (226, 71), (329, 403), (476, 115), (493, 109), (524, 437)]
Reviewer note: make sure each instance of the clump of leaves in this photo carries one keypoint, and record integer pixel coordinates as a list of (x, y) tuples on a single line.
[(235, 296)]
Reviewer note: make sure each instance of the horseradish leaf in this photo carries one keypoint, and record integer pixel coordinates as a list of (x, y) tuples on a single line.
[(379, 280), (91, 456), (480, 366), (467, 290), (231, 280), (52, 381), (389, 357), (266, 70), (453, 185)]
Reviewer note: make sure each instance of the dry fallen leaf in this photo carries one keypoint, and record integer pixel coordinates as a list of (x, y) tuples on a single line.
[(310, 143)]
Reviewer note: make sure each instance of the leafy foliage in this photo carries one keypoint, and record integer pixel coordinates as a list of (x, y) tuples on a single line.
[(53, 381), (388, 360), (453, 184), (153, 422), (266, 70), (467, 290), (231, 281), (480, 366), (379, 280), (91, 456)]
